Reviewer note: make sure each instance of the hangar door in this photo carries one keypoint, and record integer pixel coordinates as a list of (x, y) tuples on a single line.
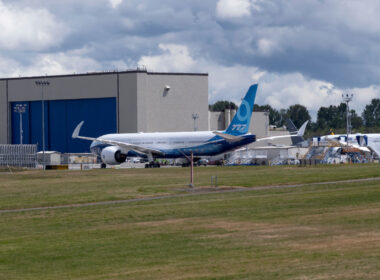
[(61, 117)]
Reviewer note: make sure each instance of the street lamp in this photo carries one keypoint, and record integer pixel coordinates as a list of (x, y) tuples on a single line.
[(195, 116), (43, 84), (347, 98), (20, 108)]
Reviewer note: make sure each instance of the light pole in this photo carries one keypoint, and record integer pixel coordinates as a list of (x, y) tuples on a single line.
[(195, 116), (20, 108), (43, 84), (347, 98)]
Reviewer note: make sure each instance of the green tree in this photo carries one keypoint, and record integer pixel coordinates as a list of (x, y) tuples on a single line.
[(283, 117), (371, 113), (298, 114), (332, 117), (356, 121), (335, 118), (222, 105)]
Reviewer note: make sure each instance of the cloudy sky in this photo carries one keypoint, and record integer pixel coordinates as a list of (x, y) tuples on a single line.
[(300, 52)]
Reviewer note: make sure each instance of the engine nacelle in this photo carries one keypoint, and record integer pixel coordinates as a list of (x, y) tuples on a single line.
[(112, 155)]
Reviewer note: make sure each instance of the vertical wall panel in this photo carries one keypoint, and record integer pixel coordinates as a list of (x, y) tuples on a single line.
[(99, 116), (35, 124), (61, 118), (4, 112), (58, 125)]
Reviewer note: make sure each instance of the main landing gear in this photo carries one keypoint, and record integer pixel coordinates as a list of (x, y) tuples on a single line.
[(152, 164)]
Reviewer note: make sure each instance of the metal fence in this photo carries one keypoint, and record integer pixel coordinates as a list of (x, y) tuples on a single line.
[(18, 155)]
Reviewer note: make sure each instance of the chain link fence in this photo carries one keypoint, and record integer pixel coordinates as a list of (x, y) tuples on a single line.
[(18, 155)]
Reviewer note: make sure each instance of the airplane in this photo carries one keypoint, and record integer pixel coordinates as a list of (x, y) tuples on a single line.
[(114, 149), (362, 142)]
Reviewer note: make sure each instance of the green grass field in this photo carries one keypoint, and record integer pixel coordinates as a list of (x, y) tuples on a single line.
[(329, 231)]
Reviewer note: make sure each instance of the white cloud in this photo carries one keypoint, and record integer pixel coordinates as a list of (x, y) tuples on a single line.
[(29, 29), (282, 91), (229, 9), (278, 90), (115, 3), (63, 63), (266, 47), (174, 58), (299, 51), (50, 64), (256, 4), (120, 65)]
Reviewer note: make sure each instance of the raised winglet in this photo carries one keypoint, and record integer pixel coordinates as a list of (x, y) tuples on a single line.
[(76, 133), (77, 129), (302, 129)]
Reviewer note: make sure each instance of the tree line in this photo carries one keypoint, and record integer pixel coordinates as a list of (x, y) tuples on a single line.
[(329, 119)]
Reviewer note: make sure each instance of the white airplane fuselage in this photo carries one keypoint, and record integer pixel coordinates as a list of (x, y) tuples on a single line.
[(173, 144)]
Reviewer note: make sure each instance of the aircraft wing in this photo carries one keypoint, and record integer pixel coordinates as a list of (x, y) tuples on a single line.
[(275, 137), (299, 133), (126, 146)]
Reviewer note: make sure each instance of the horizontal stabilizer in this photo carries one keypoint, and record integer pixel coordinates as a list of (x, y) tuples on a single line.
[(228, 137)]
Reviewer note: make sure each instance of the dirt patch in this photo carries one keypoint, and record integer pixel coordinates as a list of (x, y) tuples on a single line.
[(346, 212), (343, 242)]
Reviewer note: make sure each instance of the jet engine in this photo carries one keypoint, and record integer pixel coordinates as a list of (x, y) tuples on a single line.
[(112, 155)]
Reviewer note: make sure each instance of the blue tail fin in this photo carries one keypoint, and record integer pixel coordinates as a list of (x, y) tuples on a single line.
[(240, 123)]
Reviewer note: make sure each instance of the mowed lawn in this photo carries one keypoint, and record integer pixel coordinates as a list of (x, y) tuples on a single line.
[(37, 188), (327, 231)]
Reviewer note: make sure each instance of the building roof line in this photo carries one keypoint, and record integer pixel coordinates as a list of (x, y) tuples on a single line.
[(104, 73)]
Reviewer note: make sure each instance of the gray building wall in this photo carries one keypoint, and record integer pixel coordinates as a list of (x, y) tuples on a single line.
[(127, 106), (259, 124), (143, 105), (171, 110), (63, 87), (3, 113), (216, 121)]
